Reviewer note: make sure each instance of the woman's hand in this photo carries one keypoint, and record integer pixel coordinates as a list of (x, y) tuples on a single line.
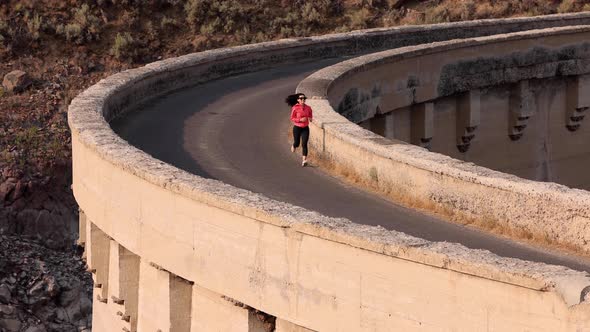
[(302, 119)]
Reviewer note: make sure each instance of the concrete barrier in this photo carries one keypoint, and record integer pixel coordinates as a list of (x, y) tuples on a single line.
[(410, 173), (171, 251)]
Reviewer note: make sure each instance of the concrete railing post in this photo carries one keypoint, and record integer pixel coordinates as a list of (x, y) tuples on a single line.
[(153, 298), (468, 117), (577, 101), (180, 304), (98, 261), (82, 230), (378, 123), (522, 107), (422, 124), (164, 300), (124, 283), (389, 130)]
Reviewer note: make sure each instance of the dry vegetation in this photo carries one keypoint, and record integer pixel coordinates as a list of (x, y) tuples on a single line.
[(67, 45)]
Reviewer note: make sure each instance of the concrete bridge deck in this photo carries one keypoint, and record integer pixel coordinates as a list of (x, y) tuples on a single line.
[(173, 251), (236, 130)]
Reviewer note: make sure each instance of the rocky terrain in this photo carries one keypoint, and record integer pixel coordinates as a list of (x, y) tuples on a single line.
[(41, 289), (50, 50)]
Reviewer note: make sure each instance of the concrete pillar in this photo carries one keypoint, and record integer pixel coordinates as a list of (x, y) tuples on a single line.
[(285, 326), (214, 312), (422, 124), (164, 300), (389, 125), (108, 310), (153, 298), (98, 261), (522, 107), (124, 283), (82, 230), (577, 101), (377, 124), (114, 270), (468, 118), (87, 240), (366, 124), (180, 304)]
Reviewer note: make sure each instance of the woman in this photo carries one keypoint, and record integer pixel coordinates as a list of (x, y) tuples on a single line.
[(301, 116)]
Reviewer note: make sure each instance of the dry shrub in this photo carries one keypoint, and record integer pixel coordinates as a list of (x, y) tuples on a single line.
[(467, 10), (205, 15), (90, 23), (3, 31), (123, 47), (412, 17), (535, 7), (168, 22), (451, 11), (73, 32), (492, 10), (567, 6), (439, 14), (359, 19), (34, 25), (372, 4), (84, 27), (392, 17), (264, 18)]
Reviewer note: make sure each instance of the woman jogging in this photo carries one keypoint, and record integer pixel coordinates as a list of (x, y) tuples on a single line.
[(301, 116)]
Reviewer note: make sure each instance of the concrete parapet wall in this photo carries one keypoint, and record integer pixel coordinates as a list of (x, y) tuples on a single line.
[(411, 173), (171, 251)]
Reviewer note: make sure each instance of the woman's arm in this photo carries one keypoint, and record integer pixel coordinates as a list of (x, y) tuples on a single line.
[(294, 118)]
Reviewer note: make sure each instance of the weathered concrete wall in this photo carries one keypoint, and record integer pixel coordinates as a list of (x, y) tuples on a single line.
[(531, 101), (429, 179), (316, 272), (171, 251), (542, 147)]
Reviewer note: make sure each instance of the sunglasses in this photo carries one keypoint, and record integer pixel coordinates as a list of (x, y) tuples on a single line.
[(303, 98)]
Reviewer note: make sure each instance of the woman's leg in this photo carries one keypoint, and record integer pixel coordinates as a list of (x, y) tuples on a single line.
[(304, 140), (296, 137)]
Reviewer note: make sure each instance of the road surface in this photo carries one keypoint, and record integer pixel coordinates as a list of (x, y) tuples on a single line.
[(236, 130)]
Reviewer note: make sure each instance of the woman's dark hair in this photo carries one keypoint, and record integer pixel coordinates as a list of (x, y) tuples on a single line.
[(291, 100)]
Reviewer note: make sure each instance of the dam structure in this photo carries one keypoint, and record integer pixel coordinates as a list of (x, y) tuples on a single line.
[(170, 250)]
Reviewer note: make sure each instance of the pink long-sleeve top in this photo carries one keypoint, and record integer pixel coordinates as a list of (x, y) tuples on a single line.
[(301, 111)]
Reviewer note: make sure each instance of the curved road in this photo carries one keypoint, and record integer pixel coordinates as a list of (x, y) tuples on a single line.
[(236, 130)]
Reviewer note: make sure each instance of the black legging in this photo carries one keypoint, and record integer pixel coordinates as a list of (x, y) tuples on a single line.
[(301, 134)]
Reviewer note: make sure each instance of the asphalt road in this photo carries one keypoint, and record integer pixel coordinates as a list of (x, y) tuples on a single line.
[(236, 130)]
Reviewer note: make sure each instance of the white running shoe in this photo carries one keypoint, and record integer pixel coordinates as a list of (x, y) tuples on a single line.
[(292, 148), (304, 163)]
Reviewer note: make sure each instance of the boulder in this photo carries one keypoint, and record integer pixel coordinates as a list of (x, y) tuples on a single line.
[(67, 297), (43, 290), (18, 192), (10, 325), (6, 188), (5, 295), (16, 81), (36, 328), (6, 310)]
